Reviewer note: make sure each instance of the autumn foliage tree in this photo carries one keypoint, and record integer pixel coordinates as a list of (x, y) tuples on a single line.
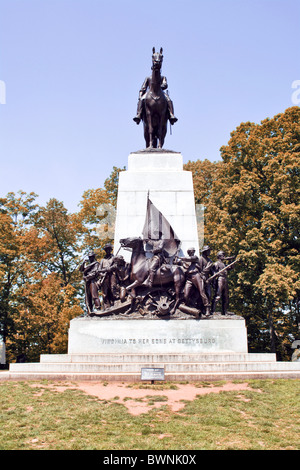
[(254, 212), (204, 173), (92, 214), (41, 248), (39, 281), (15, 216)]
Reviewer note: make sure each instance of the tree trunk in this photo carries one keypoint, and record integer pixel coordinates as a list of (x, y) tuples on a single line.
[(272, 334)]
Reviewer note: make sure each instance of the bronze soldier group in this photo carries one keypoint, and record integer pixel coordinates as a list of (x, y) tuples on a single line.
[(200, 272), (109, 276), (205, 283)]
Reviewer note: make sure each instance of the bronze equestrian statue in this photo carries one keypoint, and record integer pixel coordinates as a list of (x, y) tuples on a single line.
[(155, 107)]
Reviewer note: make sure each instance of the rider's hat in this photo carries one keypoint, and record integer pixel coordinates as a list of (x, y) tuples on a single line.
[(108, 245)]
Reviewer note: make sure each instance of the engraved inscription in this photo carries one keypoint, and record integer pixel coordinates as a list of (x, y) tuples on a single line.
[(158, 340)]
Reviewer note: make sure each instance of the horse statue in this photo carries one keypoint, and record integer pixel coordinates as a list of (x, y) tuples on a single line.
[(165, 274), (155, 107)]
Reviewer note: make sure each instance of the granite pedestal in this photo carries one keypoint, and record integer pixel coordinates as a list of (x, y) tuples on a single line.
[(94, 336), (118, 350), (159, 173)]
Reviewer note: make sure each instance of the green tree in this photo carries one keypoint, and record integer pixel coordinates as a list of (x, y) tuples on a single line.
[(59, 241), (254, 211)]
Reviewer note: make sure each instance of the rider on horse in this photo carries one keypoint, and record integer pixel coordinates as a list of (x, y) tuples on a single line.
[(156, 261), (142, 95)]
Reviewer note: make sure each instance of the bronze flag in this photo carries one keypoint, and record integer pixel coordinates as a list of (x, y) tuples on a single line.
[(157, 227)]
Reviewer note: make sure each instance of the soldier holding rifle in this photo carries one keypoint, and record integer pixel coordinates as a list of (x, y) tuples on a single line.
[(108, 278), (195, 270), (90, 270), (220, 270), (97, 276)]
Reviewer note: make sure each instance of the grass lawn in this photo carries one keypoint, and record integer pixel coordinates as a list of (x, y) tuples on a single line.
[(267, 417)]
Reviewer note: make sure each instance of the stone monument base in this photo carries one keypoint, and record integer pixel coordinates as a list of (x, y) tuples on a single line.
[(192, 350), (104, 335)]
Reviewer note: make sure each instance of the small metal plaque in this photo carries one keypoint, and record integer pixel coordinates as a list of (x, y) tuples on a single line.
[(152, 373)]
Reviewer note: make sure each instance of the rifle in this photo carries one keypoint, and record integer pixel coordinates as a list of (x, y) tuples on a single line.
[(88, 267), (222, 270)]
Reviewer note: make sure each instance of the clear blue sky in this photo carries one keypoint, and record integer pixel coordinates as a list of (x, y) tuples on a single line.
[(73, 69)]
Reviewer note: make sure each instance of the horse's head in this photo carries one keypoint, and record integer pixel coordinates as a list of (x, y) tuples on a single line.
[(131, 242), (157, 58)]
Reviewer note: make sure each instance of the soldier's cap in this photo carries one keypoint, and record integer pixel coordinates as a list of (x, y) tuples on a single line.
[(220, 253), (205, 248), (191, 249), (108, 246)]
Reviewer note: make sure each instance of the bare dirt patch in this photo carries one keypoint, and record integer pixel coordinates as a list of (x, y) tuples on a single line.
[(141, 399)]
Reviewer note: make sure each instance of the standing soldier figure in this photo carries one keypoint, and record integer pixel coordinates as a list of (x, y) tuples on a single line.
[(221, 284), (206, 265), (108, 279), (195, 276), (91, 274)]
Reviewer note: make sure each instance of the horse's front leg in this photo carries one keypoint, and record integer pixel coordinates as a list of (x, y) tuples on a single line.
[(146, 134), (179, 280), (133, 286), (150, 128), (159, 135), (162, 130)]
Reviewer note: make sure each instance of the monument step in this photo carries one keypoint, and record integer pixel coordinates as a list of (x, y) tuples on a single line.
[(135, 367), (162, 358), (169, 377)]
